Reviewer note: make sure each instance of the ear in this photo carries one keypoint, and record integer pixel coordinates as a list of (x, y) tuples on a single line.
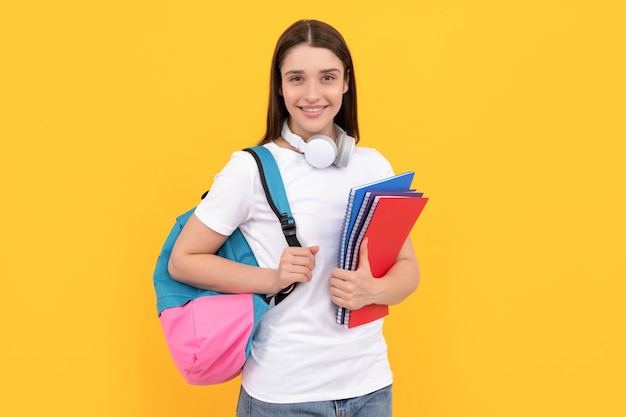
[(280, 91), (346, 81)]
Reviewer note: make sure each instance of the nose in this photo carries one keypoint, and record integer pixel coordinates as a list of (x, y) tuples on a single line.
[(312, 92)]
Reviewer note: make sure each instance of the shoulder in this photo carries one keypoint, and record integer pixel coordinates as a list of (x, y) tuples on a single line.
[(370, 157), (241, 165), (228, 202), (237, 176), (367, 152)]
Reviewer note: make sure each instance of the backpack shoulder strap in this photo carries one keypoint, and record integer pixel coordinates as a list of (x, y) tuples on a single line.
[(275, 191), (277, 198)]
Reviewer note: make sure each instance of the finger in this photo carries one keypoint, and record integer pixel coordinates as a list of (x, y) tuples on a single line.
[(296, 251), (303, 259), (363, 255), (342, 286), (337, 294), (335, 283), (299, 273)]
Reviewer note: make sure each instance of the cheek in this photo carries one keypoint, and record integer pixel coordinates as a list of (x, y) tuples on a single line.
[(339, 91), (288, 94)]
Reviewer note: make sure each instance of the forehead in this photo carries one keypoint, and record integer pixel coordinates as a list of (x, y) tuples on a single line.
[(310, 59)]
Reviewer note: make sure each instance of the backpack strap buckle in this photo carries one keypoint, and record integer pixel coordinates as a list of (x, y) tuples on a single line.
[(288, 224)]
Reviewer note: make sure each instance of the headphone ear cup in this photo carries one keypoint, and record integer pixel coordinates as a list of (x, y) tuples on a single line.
[(320, 151), (345, 147)]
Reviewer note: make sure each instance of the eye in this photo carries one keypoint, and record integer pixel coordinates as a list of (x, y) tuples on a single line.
[(328, 78), (295, 79)]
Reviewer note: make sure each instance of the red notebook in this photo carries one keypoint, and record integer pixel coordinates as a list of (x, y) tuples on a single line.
[(390, 223)]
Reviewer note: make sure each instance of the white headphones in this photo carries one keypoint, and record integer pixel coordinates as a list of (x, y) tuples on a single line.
[(321, 151)]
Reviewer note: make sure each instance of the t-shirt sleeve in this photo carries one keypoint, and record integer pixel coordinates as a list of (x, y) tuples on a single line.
[(376, 162), (229, 201), (386, 165)]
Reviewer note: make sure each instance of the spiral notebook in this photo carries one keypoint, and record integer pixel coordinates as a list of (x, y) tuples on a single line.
[(383, 212), (390, 222), (357, 194), (364, 216)]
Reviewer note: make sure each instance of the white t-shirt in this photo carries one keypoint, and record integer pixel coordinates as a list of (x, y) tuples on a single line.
[(299, 353)]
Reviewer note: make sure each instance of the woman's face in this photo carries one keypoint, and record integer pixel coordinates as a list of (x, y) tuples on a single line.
[(312, 86)]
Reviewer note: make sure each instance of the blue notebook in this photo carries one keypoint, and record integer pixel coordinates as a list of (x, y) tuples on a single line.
[(355, 199)]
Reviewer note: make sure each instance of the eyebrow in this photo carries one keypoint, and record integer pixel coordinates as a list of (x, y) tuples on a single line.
[(321, 71)]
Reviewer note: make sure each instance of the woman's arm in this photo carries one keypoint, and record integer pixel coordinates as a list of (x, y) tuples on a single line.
[(355, 289), (194, 261)]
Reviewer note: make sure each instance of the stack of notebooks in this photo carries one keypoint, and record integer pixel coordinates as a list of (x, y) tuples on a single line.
[(384, 212)]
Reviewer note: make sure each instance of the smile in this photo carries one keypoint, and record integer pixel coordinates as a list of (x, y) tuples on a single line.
[(312, 109)]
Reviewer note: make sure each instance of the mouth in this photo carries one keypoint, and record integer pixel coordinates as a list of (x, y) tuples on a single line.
[(312, 111)]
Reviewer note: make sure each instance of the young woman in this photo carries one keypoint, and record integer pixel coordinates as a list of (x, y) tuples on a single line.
[(302, 362)]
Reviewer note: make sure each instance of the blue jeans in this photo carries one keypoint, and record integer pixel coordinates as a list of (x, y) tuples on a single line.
[(375, 404)]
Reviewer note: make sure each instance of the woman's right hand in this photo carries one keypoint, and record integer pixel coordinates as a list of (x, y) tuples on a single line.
[(296, 265)]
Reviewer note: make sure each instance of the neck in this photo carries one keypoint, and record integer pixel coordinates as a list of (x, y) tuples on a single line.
[(281, 142)]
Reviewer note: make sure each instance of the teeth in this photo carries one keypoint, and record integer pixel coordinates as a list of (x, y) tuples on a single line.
[(316, 110)]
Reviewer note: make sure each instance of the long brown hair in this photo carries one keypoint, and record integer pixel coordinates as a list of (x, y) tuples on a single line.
[(319, 35)]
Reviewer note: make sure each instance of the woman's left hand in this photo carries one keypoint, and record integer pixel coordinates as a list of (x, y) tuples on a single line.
[(354, 289)]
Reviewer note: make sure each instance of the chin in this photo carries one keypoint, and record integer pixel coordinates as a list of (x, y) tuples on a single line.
[(313, 126)]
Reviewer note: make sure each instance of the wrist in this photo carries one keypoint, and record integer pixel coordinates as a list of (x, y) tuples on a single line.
[(377, 291), (271, 285)]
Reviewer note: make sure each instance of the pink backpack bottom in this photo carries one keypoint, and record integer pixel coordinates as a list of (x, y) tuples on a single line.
[(208, 337)]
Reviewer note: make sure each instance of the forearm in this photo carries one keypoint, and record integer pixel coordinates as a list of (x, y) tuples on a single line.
[(213, 272), (398, 283)]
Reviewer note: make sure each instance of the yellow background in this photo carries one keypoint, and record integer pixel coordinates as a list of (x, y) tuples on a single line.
[(115, 115)]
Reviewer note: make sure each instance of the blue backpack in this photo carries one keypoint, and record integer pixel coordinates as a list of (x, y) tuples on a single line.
[(209, 334)]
